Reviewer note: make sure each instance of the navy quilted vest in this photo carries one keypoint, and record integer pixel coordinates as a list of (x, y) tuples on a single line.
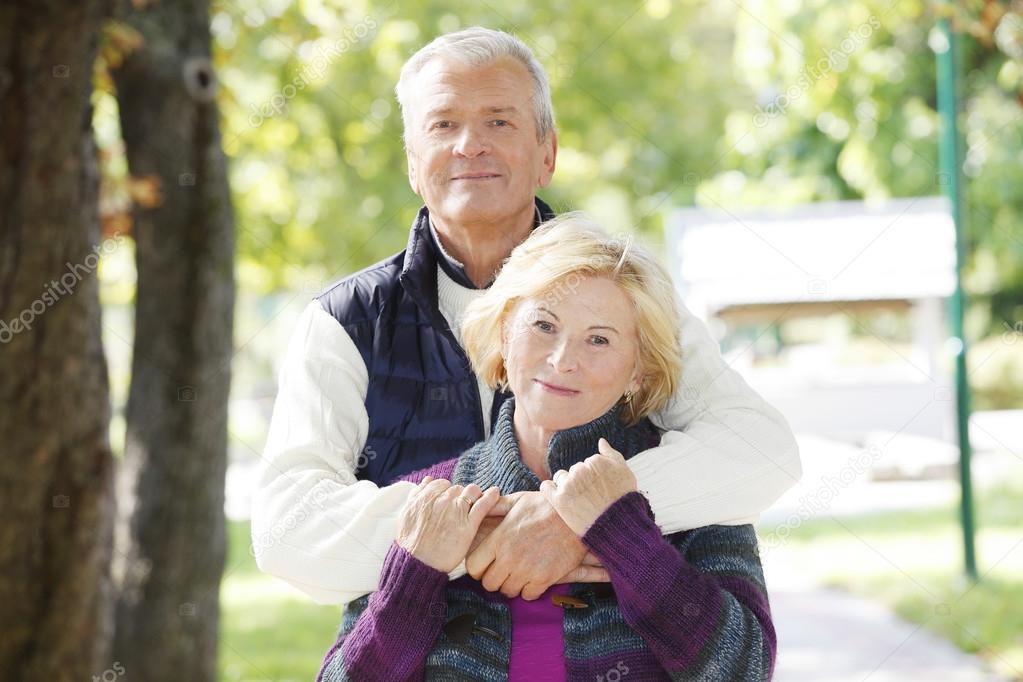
[(422, 400)]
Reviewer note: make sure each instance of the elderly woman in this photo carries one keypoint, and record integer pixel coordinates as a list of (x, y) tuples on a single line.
[(580, 328)]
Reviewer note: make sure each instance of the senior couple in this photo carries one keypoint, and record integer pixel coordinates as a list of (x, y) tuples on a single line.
[(508, 449)]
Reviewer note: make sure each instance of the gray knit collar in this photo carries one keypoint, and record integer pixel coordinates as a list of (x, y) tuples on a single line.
[(498, 461)]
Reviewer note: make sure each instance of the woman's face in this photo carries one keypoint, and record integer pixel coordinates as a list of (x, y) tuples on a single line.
[(573, 353)]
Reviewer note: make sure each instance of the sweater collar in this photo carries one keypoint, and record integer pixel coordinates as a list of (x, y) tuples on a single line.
[(498, 461)]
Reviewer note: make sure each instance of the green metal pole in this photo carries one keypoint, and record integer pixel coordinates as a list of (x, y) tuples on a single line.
[(950, 179)]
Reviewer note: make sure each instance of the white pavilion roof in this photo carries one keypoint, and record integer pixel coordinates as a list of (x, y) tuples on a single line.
[(841, 251)]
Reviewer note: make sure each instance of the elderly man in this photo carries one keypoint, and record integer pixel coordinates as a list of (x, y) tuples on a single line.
[(375, 383)]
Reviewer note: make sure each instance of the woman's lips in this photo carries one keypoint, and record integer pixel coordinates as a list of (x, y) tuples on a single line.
[(556, 390)]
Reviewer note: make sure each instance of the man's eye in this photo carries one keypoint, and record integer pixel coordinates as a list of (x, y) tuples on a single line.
[(442, 124), (500, 123)]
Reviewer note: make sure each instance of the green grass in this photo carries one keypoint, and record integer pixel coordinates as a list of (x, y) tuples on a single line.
[(268, 631), (913, 562), (986, 620)]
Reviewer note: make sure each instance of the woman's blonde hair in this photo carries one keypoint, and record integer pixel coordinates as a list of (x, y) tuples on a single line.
[(550, 264)]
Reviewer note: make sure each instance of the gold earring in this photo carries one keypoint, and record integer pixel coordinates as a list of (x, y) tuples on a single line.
[(627, 398)]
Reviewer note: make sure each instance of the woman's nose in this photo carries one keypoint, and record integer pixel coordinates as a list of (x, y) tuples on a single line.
[(562, 358)]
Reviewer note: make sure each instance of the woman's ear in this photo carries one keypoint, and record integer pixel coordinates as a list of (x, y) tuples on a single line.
[(504, 338), (636, 381), (509, 326)]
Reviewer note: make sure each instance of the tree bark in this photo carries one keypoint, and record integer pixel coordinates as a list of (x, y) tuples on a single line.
[(171, 522), (56, 468)]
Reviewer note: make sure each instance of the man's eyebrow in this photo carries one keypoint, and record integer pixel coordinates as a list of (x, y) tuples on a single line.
[(507, 109), (439, 111)]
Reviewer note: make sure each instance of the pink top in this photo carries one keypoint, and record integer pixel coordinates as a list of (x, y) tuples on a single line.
[(538, 639)]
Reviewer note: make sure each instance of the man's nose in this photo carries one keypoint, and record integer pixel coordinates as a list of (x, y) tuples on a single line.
[(471, 142)]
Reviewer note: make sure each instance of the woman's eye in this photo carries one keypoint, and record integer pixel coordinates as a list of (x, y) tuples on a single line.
[(600, 340), (544, 325)]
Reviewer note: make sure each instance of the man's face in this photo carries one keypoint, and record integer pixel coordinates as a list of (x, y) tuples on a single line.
[(473, 151)]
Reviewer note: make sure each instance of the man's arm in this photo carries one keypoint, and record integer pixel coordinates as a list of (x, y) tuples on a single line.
[(313, 523), (727, 455)]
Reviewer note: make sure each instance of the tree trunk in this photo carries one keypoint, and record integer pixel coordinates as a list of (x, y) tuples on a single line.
[(56, 468), (172, 485)]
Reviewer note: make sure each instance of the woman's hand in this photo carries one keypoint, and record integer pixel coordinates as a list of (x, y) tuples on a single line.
[(440, 521), (581, 494)]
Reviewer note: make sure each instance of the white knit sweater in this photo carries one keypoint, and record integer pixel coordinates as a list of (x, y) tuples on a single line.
[(726, 456)]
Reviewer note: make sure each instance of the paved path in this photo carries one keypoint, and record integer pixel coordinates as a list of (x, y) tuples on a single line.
[(825, 635)]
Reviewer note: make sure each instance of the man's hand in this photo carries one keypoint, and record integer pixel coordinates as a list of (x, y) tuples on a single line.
[(484, 531), (529, 550)]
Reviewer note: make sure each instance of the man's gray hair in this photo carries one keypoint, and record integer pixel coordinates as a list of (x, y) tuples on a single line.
[(480, 46)]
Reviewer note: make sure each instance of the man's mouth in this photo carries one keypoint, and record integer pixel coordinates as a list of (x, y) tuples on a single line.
[(476, 176)]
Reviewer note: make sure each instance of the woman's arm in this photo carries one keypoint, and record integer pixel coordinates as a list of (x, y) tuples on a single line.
[(394, 635), (705, 614)]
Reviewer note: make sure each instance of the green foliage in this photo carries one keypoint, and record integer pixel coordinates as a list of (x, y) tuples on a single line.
[(659, 104), (314, 132), (996, 371)]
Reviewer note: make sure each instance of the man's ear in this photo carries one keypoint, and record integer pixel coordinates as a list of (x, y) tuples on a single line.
[(549, 159), (413, 171)]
